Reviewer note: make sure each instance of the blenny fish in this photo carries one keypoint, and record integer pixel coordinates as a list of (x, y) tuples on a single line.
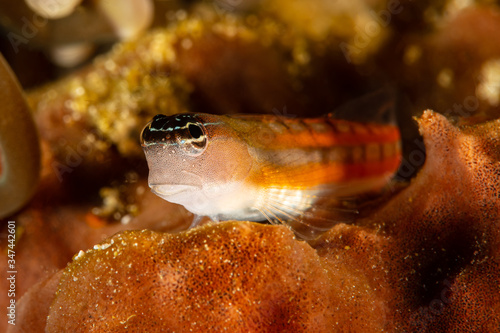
[(293, 171)]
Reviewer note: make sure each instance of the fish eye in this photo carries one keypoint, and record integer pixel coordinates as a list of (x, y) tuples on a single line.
[(183, 130), (195, 131), (194, 140)]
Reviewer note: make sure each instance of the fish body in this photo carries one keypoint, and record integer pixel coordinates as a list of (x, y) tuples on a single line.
[(264, 167)]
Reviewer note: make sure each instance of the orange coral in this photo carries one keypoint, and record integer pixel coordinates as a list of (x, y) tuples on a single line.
[(238, 277), (437, 234)]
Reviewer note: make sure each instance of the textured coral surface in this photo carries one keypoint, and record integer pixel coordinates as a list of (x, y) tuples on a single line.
[(221, 280), (424, 259), (439, 237)]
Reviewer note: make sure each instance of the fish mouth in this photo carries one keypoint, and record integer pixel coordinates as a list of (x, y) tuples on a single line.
[(163, 190)]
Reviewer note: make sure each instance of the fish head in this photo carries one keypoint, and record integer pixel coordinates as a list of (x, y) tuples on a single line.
[(194, 159)]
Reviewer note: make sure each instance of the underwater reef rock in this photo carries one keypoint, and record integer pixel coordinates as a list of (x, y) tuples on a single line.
[(428, 261)]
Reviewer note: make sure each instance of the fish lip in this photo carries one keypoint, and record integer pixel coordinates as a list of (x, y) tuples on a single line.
[(170, 190)]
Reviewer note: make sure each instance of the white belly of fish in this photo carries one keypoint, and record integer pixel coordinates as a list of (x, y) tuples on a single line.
[(225, 202)]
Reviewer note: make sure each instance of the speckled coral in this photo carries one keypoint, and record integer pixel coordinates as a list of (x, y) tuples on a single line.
[(434, 248), (236, 277), (447, 226)]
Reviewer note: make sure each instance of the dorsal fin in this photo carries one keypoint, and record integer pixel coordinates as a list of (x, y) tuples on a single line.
[(376, 107)]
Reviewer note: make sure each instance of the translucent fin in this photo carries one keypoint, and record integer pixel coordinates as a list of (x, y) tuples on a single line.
[(199, 220), (376, 107), (309, 214), (196, 221)]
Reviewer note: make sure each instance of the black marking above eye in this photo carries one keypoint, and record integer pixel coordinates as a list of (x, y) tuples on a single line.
[(183, 130), (159, 122)]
